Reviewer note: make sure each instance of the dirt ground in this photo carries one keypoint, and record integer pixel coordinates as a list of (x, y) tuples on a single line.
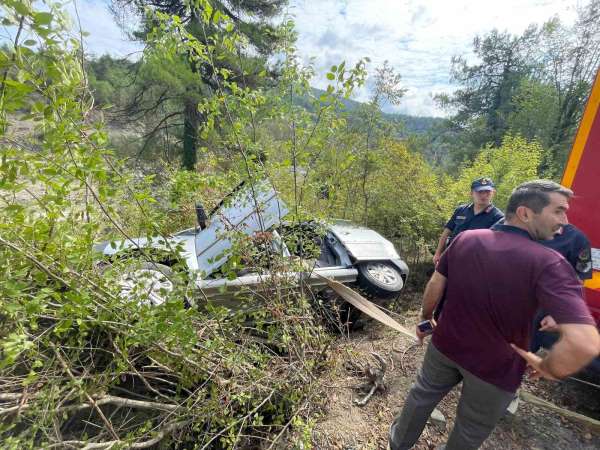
[(344, 426)]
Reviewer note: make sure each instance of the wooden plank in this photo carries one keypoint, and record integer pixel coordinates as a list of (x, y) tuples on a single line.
[(367, 307), (530, 398)]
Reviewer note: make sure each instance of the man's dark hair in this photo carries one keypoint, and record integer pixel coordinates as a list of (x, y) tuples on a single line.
[(535, 195)]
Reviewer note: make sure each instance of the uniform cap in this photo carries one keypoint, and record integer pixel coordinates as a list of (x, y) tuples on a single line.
[(482, 184)]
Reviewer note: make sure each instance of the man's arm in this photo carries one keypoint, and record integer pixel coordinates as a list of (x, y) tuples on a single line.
[(578, 345), (432, 295), (441, 245)]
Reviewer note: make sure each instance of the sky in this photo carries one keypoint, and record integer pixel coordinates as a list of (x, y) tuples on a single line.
[(417, 37)]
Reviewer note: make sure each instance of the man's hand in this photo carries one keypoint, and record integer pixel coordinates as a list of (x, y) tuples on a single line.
[(548, 324), (436, 258), (421, 335), (535, 363)]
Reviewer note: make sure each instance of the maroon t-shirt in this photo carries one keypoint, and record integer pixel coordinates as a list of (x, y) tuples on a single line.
[(497, 280)]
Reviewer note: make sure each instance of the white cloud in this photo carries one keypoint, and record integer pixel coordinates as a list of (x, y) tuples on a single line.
[(105, 36), (417, 37)]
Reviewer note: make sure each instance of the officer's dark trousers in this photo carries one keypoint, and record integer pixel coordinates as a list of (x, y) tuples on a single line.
[(480, 407)]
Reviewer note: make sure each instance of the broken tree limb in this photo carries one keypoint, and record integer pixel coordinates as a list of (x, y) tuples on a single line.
[(122, 402), (367, 397), (375, 376), (532, 399), (66, 368), (367, 307), (160, 435), (8, 396)]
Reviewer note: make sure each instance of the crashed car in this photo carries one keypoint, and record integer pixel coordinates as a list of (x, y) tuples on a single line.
[(347, 253)]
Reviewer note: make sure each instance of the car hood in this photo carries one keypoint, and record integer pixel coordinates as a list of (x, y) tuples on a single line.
[(363, 243)]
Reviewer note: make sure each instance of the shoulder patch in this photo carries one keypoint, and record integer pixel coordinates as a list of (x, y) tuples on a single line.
[(584, 261)]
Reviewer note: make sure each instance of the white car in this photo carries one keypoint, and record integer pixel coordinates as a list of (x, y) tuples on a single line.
[(347, 253)]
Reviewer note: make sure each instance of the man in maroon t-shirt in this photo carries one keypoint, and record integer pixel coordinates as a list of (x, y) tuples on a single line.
[(495, 281)]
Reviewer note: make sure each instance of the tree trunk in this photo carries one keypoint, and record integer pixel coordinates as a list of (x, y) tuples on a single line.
[(190, 135)]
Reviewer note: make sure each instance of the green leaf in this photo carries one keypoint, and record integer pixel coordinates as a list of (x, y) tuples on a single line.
[(330, 76), (21, 8), (29, 42), (42, 18)]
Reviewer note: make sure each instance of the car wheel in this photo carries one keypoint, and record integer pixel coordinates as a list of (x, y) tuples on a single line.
[(380, 279), (150, 283)]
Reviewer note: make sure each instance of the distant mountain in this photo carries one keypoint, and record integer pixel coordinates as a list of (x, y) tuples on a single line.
[(412, 124)]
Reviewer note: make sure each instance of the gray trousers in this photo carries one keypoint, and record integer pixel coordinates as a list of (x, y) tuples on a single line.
[(480, 407)]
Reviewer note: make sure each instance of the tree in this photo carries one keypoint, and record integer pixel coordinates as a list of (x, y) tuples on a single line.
[(571, 57), (205, 20), (534, 85), (485, 98), (370, 123), (109, 79)]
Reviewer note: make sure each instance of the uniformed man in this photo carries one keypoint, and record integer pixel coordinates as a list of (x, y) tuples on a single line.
[(574, 245), (481, 213)]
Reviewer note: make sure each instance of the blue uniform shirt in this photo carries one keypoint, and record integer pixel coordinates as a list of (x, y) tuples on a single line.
[(575, 247), (464, 218)]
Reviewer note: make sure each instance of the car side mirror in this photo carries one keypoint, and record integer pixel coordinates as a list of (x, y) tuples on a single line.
[(201, 216)]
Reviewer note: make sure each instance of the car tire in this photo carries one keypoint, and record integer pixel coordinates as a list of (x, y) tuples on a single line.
[(153, 282), (380, 279)]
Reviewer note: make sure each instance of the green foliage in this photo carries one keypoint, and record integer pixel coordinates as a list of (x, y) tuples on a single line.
[(485, 99), (75, 353), (110, 80), (535, 115), (407, 198), (515, 161)]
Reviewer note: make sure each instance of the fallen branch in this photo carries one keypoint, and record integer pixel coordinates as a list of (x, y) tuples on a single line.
[(123, 402), (109, 444), (11, 410), (10, 396), (375, 376)]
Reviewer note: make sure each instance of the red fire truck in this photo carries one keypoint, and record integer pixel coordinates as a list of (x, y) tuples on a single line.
[(582, 175)]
